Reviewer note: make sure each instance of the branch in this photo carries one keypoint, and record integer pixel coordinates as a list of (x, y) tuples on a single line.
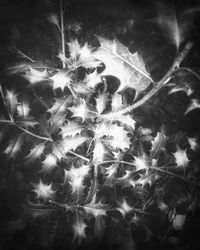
[(25, 56), (161, 83), (62, 31), (3, 99)]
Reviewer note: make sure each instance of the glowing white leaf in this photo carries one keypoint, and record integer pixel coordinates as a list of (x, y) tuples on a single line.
[(116, 102), (60, 80), (101, 102), (11, 101), (79, 229), (179, 221), (71, 143), (124, 208), (81, 110), (141, 162), (49, 163), (35, 76), (43, 191), (14, 146), (70, 129), (193, 143), (23, 109), (76, 177), (35, 152), (181, 157), (98, 151)]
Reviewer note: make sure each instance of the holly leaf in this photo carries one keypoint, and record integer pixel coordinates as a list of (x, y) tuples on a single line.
[(116, 102), (35, 76), (35, 152), (71, 129), (158, 143), (60, 80), (117, 136), (98, 152), (53, 18), (71, 143), (49, 163), (14, 146), (76, 177), (181, 157), (79, 229), (141, 162), (123, 119), (101, 102), (11, 101), (120, 62), (195, 104), (23, 109), (178, 221), (193, 143), (81, 110), (124, 208), (43, 191)]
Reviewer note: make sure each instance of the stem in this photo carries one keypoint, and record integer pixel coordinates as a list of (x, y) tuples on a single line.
[(191, 71), (25, 56), (62, 31), (32, 134), (79, 156), (3, 98), (165, 79)]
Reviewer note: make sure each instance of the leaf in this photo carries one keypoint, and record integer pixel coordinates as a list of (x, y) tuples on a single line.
[(11, 101), (101, 102), (74, 49), (35, 76), (71, 129), (179, 221), (98, 152), (35, 152), (79, 229), (53, 18), (124, 208), (195, 104), (111, 172), (116, 102), (49, 163), (119, 62), (81, 110), (60, 80), (117, 135), (193, 143), (43, 191), (185, 87), (76, 178), (71, 143), (23, 109), (124, 119), (96, 209), (175, 30), (158, 143), (14, 146), (181, 157), (81, 88), (141, 162), (91, 80)]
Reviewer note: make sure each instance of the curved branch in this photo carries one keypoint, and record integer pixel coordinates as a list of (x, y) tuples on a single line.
[(165, 79)]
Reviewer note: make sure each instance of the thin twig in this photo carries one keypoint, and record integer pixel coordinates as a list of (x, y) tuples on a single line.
[(165, 79), (3, 99)]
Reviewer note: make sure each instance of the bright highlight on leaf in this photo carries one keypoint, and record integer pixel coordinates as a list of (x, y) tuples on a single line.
[(43, 191)]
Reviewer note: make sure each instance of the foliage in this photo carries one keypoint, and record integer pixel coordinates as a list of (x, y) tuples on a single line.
[(96, 160)]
